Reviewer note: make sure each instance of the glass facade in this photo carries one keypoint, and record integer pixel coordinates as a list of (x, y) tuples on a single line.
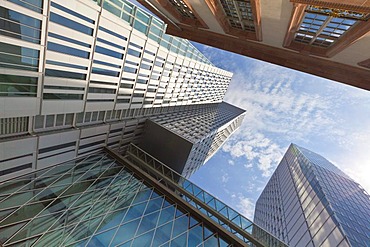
[(310, 202), (101, 201)]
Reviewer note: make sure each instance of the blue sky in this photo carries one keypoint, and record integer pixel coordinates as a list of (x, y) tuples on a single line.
[(284, 106)]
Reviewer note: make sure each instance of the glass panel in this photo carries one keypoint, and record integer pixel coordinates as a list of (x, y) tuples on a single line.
[(126, 232)]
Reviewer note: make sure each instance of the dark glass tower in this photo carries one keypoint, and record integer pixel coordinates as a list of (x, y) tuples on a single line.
[(310, 202)]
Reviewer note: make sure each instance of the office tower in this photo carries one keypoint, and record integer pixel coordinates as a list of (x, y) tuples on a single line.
[(105, 199), (309, 202), (191, 137), (327, 38), (79, 75)]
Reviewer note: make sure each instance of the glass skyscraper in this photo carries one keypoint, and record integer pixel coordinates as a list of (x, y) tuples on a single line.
[(310, 202)]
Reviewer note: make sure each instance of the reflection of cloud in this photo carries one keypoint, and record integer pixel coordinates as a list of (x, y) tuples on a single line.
[(246, 207)]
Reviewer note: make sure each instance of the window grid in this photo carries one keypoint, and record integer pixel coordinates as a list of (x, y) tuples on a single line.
[(240, 14), (322, 30), (183, 8)]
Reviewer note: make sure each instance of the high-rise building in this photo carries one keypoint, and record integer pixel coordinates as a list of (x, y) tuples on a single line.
[(106, 199), (79, 75), (327, 38), (192, 137), (310, 202)]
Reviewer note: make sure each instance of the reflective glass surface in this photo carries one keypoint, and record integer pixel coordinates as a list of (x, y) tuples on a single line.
[(94, 201)]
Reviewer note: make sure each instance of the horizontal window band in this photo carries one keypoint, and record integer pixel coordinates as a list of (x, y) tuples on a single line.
[(70, 24), (123, 101), (100, 100), (88, 151), (18, 157), (17, 89), (102, 90), (91, 144), (21, 51), (20, 36), (129, 70), (60, 96), (65, 74), (110, 43), (107, 64), (74, 41), (71, 12), (17, 79), (19, 18), (114, 131), (105, 72), (112, 33), (124, 85), (20, 67), (134, 53), (104, 83), (35, 5), (15, 169), (87, 137), (64, 88), (74, 66), (53, 148), (108, 52), (46, 157), (113, 143), (67, 50)]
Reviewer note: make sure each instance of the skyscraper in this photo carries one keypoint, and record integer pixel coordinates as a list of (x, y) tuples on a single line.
[(310, 202), (79, 75), (192, 137)]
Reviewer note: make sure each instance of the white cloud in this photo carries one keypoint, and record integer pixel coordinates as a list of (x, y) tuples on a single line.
[(231, 162), (246, 207), (249, 165), (276, 115), (225, 177)]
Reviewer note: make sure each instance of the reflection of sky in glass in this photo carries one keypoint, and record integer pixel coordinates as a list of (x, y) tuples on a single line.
[(348, 201)]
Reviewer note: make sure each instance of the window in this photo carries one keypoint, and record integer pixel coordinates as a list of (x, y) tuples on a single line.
[(321, 28), (12, 85), (123, 100), (13, 56), (107, 64), (182, 8), (133, 52), (112, 33), (67, 50), (102, 90), (129, 70), (35, 5), (71, 12), (20, 26), (74, 66), (57, 36), (64, 74), (105, 72), (70, 24), (61, 96), (110, 43), (108, 52)]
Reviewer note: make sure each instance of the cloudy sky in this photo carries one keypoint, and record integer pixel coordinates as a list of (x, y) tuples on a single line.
[(284, 106)]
